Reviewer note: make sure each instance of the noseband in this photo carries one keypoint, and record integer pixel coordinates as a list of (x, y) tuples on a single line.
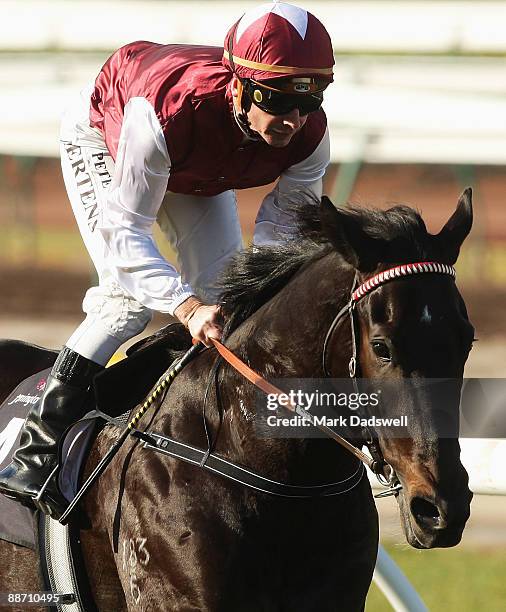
[(384, 472)]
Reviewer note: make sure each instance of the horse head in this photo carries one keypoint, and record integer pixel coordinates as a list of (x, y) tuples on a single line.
[(412, 330)]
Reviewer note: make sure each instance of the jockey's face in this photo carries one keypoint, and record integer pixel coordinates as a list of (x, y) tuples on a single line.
[(276, 130)]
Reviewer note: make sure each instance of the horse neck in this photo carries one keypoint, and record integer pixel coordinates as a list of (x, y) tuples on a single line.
[(284, 338)]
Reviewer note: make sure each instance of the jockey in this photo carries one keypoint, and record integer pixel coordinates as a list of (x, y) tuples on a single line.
[(166, 133)]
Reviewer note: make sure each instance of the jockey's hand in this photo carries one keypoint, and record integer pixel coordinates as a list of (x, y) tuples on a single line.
[(203, 322)]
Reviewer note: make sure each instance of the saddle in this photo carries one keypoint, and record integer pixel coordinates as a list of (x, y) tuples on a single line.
[(118, 390), (124, 385)]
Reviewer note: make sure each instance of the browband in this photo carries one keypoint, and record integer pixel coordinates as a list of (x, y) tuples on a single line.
[(381, 278)]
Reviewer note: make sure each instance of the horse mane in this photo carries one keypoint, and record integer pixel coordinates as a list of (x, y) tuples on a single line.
[(257, 273)]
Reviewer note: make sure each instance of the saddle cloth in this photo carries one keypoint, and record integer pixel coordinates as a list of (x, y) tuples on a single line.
[(17, 524)]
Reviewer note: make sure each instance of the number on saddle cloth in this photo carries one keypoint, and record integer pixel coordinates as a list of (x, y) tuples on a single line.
[(14, 410), (16, 521)]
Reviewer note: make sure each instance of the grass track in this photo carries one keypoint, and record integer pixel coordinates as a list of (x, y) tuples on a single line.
[(452, 580)]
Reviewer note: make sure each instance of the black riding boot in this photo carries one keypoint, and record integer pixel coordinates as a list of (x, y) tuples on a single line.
[(64, 401)]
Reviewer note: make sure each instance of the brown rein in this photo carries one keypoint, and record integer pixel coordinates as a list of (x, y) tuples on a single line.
[(269, 388), (376, 463)]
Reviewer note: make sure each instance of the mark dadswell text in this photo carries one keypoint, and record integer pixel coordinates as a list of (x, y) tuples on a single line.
[(341, 421)]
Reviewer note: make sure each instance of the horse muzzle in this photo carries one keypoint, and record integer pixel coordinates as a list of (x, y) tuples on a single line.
[(434, 521)]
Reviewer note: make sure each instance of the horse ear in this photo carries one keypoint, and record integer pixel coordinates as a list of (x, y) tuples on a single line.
[(346, 234), (457, 227)]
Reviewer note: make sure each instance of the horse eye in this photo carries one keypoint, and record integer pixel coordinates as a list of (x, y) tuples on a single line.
[(381, 350)]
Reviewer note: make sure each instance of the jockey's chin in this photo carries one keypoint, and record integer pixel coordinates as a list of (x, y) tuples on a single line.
[(276, 130)]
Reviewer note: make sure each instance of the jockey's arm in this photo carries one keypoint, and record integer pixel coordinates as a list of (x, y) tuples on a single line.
[(275, 221), (137, 190)]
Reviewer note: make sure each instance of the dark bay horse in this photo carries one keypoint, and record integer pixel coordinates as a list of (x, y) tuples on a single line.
[(191, 540)]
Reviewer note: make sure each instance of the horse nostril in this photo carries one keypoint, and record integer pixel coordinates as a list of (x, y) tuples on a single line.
[(427, 514)]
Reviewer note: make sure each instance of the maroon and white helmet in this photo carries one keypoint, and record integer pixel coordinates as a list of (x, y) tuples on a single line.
[(279, 40)]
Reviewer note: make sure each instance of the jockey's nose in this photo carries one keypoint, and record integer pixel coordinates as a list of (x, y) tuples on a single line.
[(293, 118)]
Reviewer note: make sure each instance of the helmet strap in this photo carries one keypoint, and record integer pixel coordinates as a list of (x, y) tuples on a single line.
[(241, 105), (242, 121)]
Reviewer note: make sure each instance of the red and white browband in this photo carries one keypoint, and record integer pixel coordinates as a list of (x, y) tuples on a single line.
[(421, 267)]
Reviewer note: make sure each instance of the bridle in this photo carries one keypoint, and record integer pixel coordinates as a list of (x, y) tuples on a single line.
[(383, 471), (376, 462)]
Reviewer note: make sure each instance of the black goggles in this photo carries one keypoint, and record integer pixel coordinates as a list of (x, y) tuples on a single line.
[(280, 103)]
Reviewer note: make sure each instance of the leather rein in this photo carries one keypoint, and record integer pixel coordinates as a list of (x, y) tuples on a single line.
[(376, 462)]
